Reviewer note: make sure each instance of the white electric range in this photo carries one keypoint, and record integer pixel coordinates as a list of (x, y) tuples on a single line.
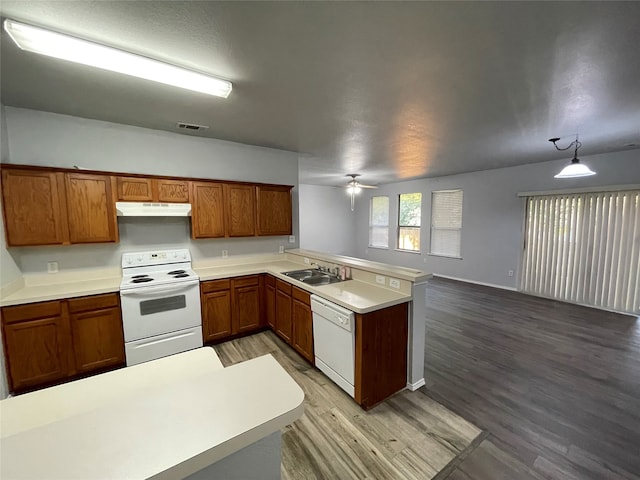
[(160, 300)]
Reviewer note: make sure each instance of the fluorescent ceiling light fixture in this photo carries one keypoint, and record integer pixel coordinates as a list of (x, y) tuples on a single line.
[(52, 44)]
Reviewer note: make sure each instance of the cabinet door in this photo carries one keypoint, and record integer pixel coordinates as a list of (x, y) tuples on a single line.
[(91, 209), (246, 300), (240, 210), (36, 352), (273, 210), (98, 339), (270, 306), (34, 207), (302, 334), (216, 315), (207, 213), (283, 315), (134, 189), (171, 191)]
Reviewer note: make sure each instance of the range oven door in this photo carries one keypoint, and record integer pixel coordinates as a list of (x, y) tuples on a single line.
[(150, 311)]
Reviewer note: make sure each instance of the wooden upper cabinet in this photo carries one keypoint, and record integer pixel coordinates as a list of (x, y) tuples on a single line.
[(274, 210), (146, 189), (134, 189), (207, 210), (34, 207), (240, 208), (90, 208), (171, 191)]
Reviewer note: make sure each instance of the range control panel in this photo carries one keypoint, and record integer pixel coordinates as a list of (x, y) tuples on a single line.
[(157, 257)]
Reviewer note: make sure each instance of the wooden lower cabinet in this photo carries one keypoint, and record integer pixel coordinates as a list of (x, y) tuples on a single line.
[(96, 332), (231, 307), (381, 354), (270, 301), (36, 348), (302, 324), (283, 310), (216, 310), (48, 342)]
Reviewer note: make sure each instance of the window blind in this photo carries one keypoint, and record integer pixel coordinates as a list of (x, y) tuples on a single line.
[(584, 248), (446, 223), (379, 222)]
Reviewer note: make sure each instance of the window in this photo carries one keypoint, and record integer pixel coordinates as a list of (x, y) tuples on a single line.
[(379, 222), (583, 248), (446, 223), (409, 215)]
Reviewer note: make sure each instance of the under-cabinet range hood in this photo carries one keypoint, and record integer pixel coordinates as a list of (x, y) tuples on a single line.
[(144, 209)]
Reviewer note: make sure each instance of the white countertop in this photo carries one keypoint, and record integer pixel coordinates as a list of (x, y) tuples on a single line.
[(356, 295), (170, 429)]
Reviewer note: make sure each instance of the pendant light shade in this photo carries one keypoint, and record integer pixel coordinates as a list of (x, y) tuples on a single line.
[(575, 168)]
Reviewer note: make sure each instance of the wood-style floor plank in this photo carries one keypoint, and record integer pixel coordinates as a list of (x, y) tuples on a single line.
[(557, 386), (409, 436)]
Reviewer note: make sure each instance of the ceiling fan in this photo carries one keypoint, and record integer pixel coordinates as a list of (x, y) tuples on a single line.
[(354, 187)]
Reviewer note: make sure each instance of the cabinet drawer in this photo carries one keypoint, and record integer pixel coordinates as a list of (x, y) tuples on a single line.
[(215, 285), (94, 302), (283, 286), (246, 281), (31, 311), (301, 296)]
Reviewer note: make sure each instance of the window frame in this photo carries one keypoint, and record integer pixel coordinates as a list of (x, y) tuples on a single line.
[(432, 227), (372, 226), (417, 227)]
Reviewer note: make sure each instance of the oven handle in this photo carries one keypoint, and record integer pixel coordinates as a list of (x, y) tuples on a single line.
[(163, 289)]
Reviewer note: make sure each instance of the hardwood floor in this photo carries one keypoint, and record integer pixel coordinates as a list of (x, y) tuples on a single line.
[(557, 386), (409, 436)]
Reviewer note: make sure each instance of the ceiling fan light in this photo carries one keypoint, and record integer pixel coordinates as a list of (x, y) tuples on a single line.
[(65, 47), (575, 169), (353, 190)]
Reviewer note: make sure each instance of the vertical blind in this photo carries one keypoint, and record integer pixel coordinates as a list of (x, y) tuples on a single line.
[(446, 223), (584, 248)]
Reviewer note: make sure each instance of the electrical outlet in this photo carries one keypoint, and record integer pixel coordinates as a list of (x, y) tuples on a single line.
[(510, 273), (380, 279), (52, 267), (292, 239), (394, 283), (307, 261), (281, 249), (225, 253)]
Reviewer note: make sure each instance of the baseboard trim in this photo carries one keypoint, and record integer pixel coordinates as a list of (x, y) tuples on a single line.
[(502, 287), (416, 385)]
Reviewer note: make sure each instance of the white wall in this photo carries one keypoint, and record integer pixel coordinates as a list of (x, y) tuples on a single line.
[(41, 138), (492, 214), (327, 223)]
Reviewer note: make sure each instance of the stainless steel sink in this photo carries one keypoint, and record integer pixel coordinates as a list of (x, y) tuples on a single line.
[(313, 277)]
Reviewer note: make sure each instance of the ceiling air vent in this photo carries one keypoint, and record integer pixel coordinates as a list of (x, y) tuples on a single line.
[(191, 126)]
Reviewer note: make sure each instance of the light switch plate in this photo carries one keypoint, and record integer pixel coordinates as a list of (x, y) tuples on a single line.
[(394, 283), (52, 267), (225, 253), (380, 279)]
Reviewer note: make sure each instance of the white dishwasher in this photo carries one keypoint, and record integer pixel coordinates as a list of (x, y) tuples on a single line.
[(334, 342)]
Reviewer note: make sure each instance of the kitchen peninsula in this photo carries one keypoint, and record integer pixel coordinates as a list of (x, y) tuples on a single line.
[(177, 417)]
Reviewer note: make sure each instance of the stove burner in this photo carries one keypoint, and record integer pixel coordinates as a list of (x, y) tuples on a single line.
[(181, 275), (141, 279), (140, 276), (176, 272)]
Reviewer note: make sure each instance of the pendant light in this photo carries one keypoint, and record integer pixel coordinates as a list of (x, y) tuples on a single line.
[(575, 168)]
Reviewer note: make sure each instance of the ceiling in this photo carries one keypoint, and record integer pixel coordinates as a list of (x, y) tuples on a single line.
[(391, 90)]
